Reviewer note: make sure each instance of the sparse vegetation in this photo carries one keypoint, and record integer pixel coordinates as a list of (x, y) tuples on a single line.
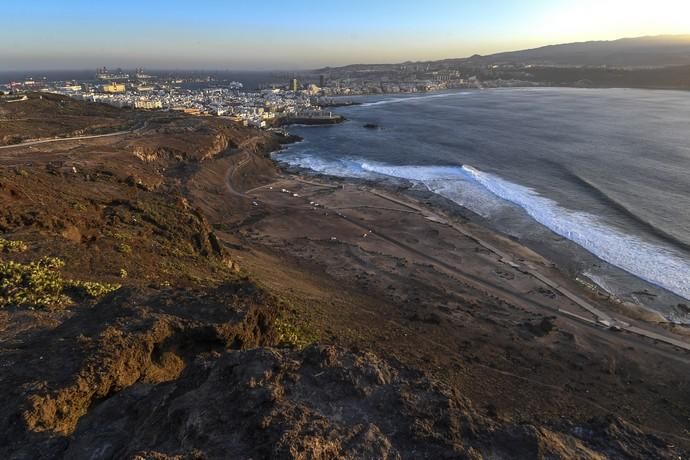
[(293, 335), (36, 284), (81, 207), (223, 227), (119, 236), (124, 248), (40, 284), (91, 289), (12, 246)]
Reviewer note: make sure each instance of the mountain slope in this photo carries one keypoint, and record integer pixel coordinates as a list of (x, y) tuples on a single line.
[(658, 51), (639, 52)]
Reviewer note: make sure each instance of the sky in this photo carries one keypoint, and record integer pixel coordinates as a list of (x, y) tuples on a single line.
[(293, 34)]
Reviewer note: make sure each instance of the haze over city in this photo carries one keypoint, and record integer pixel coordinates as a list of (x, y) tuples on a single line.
[(209, 34)]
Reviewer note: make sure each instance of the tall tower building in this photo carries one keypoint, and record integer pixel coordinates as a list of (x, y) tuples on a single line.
[(294, 85)]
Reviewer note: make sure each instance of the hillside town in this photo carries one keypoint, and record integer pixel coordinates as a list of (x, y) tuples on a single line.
[(261, 108), (276, 101)]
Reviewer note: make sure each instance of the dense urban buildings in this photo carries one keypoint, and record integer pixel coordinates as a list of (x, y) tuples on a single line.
[(268, 107), (277, 101)]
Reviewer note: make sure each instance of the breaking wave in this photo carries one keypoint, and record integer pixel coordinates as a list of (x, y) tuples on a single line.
[(626, 210), (485, 194), (656, 264), (398, 100)]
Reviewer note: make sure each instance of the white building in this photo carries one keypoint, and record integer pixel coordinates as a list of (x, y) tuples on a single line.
[(146, 104)]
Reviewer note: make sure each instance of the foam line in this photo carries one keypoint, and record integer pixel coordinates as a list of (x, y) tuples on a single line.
[(656, 264), (399, 100), (481, 191)]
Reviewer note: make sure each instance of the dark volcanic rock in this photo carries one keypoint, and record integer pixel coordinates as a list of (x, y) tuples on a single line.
[(133, 338), (321, 403)]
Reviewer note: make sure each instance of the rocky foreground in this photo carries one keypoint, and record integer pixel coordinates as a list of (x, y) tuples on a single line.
[(189, 374), (186, 319)]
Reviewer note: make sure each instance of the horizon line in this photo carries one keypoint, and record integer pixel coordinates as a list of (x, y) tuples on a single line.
[(334, 66)]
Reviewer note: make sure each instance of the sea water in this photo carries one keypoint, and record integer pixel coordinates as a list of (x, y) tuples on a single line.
[(601, 177)]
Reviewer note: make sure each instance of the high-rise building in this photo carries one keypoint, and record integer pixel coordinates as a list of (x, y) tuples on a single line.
[(294, 85), (322, 81)]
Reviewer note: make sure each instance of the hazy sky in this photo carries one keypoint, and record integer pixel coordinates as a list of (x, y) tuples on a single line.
[(293, 34)]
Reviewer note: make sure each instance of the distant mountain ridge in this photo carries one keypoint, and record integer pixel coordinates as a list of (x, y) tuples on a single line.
[(638, 52), (657, 51)]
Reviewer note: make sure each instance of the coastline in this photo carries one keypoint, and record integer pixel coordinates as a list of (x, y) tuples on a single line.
[(560, 258), (226, 264), (598, 243), (435, 204)]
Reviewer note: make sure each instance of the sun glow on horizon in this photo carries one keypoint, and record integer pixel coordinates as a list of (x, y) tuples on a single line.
[(587, 20)]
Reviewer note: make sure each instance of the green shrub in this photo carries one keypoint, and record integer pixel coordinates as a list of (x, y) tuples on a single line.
[(79, 207), (36, 284), (292, 335), (119, 236), (124, 248), (91, 289), (12, 246), (40, 284)]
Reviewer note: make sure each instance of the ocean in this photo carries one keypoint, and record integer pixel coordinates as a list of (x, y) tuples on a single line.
[(598, 180)]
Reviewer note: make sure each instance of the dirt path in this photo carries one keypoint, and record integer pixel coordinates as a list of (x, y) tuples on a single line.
[(75, 138), (601, 319), (66, 139)]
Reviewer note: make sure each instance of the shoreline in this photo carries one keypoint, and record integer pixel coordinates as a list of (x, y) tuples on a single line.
[(629, 282), (561, 260), (630, 312), (541, 85), (406, 189)]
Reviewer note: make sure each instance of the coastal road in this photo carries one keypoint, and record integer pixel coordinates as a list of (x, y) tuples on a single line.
[(76, 138), (229, 175), (602, 320), (65, 139)]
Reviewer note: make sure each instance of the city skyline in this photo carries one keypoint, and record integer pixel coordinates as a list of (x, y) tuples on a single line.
[(303, 35)]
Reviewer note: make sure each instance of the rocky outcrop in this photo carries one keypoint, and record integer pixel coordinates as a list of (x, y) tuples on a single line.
[(128, 340), (149, 154), (324, 403), (185, 139)]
